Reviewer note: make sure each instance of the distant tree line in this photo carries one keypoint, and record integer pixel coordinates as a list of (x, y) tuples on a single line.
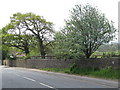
[(108, 47)]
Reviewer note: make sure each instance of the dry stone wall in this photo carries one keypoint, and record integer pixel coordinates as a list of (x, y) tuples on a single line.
[(55, 63)]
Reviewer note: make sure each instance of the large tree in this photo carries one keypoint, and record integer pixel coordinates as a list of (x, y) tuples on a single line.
[(17, 39), (35, 25), (89, 28)]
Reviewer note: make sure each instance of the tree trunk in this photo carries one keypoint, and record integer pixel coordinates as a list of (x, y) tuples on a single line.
[(43, 53), (26, 48), (26, 51), (42, 49), (88, 55)]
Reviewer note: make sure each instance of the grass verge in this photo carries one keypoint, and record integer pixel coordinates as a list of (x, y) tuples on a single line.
[(106, 73), (63, 70)]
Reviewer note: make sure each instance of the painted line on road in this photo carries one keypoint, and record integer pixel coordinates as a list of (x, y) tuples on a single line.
[(39, 82), (46, 85), (29, 79)]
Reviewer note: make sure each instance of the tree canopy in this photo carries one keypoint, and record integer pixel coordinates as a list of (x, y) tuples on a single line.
[(14, 38), (23, 25), (88, 28), (64, 47)]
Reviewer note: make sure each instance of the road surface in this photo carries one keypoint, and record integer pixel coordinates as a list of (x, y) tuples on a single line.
[(27, 78)]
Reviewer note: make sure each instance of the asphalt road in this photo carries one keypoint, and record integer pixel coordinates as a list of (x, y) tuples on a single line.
[(27, 78)]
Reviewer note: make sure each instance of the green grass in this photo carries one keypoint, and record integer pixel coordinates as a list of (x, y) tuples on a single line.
[(106, 73), (63, 70)]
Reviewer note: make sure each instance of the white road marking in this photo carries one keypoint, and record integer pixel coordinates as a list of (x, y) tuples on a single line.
[(46, 85), (35, 81), (29, 79)]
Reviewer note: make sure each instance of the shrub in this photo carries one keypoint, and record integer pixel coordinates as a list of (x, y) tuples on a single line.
[(11, 57), (73, 68)]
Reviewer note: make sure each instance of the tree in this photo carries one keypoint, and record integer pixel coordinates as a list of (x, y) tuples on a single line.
[(18, 39), (35, 25), (65, 48), (89, 28), (60, 47), (4, 50)]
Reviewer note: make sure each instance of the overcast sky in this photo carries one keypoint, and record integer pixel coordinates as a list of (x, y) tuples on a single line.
[(55, 11)]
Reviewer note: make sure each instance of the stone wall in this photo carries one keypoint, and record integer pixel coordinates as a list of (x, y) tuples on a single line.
[(99, 63), (55, 63)]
